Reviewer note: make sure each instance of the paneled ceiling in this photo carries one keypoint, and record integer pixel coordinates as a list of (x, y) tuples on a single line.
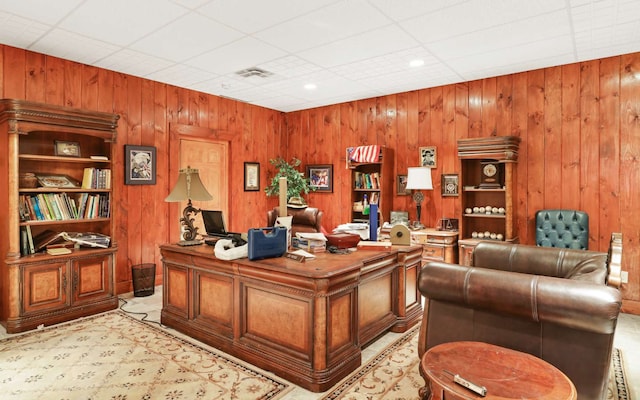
[(347, 49)]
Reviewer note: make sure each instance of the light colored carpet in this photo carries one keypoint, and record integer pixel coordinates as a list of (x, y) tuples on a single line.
[(393, 374), (114, 356)]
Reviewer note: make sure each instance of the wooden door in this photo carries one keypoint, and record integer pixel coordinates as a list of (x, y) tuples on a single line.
[(211, 158)]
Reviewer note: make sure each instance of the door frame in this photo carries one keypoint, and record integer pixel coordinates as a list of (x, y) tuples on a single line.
[(178, 132)]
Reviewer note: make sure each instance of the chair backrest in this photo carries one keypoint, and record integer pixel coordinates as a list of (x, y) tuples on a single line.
[(562, 228)]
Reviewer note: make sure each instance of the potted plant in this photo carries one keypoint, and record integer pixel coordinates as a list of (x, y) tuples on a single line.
[(297, 184)]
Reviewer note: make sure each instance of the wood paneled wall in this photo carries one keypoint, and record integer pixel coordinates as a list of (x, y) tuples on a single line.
[(579, 124), (147, 109), (580, 131)]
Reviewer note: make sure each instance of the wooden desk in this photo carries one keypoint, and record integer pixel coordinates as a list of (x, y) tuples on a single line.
[(505, 373), (437, 245), (306, 322)]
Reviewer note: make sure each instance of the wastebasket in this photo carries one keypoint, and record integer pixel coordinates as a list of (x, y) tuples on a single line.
[(144, 279)]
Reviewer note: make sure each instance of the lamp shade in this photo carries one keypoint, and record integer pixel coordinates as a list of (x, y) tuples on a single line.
[(188, 187), (419, 178)]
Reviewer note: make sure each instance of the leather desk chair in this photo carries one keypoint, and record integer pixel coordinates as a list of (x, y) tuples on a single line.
[(307, 219), (562, 228)]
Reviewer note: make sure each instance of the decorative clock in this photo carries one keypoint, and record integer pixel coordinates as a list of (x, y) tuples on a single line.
[(490, 175)]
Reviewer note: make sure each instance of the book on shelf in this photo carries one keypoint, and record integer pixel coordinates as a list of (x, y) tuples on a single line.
[(96, 178), (46, 238)]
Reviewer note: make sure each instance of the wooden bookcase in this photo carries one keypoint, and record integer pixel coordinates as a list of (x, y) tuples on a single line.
[(56, 144), (488, 184), (374, 179)]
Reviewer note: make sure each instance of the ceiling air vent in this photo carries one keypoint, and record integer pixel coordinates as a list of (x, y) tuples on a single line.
[(254, 71)]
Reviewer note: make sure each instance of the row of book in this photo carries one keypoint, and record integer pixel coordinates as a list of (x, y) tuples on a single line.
[(96, 178), (61, 206), (364, 180), (48, 239)]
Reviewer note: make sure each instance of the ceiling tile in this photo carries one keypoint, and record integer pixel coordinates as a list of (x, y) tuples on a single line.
[(45, 11), (251, 16), (121, 21), (366, 45), (20, 32), (181, 75), (176, 41), (74, 47), (134, 63), (241, 54), (331, 23)]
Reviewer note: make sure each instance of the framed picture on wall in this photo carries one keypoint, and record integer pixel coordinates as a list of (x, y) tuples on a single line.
[(402, 186), (251, 176), (321, 177), (139, 165), (428, 157), (450, 184)]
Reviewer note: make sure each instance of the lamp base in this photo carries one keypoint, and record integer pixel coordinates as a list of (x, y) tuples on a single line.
[(189, 242)]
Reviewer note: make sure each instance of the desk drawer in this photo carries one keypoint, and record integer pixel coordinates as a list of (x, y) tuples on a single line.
[(432, 252)]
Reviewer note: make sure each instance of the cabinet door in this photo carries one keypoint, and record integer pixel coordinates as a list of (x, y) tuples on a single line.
[(92, 278), (45, 287)]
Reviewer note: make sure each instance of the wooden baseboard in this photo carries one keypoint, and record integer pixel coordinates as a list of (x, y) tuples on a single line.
[(631, 307)]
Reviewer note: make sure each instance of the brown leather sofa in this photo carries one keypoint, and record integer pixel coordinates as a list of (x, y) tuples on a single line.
[(308, 219), (549, 302)]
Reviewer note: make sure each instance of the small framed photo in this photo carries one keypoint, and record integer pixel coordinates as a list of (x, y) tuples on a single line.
[(66, 149), (251, 176), (321, 177), (402, 186), (428, 157), (56, 181), (450, 185), (139, 165)]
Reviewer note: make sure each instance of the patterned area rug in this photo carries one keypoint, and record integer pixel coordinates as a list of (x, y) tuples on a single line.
[(115, 356), (393, 374)]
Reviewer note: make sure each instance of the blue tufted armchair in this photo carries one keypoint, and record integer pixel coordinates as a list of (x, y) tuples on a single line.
[(562, 228)]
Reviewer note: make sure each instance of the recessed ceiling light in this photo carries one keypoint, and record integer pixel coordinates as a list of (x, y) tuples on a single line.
[(416, 63), (310, 86)]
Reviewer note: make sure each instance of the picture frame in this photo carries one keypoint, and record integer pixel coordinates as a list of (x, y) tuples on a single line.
[(428, 157), (401, 184), (57, 181), (66, 149), (399, 217), (139, 165), (320, 177), (251, 176), (450, 185)]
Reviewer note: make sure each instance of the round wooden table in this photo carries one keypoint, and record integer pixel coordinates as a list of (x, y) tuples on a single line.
[(505, 373)]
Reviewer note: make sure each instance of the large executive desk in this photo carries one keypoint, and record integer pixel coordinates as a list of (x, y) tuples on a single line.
[(306, 322)]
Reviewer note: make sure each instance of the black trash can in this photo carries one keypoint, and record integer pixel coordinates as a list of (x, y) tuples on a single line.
[(144, 279)]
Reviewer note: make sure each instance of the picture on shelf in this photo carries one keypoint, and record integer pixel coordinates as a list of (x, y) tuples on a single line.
[(428, 157), (140, 165), (321, 177), (67, 149), (57, 181)]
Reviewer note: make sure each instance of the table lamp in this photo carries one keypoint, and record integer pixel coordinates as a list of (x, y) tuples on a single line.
[(188, 187), (419, 178)]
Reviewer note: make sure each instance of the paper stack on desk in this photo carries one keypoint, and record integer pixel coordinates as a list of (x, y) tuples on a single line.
[(310, 241)]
